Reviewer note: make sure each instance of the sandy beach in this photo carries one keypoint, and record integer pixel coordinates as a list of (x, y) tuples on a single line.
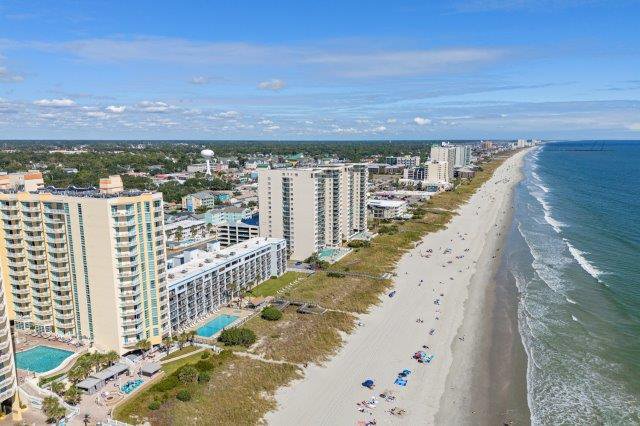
[(444, 282)]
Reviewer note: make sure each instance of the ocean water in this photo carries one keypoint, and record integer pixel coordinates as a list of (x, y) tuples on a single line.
[(575, 257)]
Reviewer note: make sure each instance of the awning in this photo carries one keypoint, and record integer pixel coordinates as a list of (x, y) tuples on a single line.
[(150, 368)]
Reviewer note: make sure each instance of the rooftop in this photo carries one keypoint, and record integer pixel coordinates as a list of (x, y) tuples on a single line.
[(207, 260), (387, 203)]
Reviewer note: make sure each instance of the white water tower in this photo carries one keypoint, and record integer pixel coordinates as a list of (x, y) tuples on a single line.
[(208, 155)]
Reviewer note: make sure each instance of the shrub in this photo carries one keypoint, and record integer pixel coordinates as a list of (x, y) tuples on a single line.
[(271, 314), (154, 405), (183, 395), (188, 374), (391, 229), (204, 366), (237, 336), (335, 274), (358, 243), (166, 384), (205, 355), (204, 377)]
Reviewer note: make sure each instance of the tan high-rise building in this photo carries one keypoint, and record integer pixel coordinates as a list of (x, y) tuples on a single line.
[(445, 154), (313, 208), (7, 365), (85, 263)]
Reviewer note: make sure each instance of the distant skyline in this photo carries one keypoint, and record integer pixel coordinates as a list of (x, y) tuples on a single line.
[(466, 69)]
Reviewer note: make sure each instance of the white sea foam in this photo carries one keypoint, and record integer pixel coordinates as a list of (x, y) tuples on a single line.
[(555, 224), (573, 302), (578, 255), (574, 318)]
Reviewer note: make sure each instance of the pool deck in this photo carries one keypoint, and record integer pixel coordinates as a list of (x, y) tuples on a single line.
[(242, 315), (25, 342)]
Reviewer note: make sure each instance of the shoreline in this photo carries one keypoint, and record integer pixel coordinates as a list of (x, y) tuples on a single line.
[(390, 333), (496, 391)]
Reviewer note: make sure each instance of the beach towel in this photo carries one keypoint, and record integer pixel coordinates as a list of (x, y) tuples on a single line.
[(400, 382)]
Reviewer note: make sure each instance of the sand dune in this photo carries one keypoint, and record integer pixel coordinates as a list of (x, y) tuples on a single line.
[(383, 346)]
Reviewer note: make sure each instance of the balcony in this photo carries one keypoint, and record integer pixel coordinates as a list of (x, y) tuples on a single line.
[(124, 223), (21, 290), (64, 269), (41, 303), (65, 325), (38, 285), (126, 303), (126, 234), (50, 210), (30, 209), (56, 240), (128, 264), (38, 257), (62, 316), (131, 331), (63, 298), (57, 250), (12, 227), (132, 321), (124, 213), (130, 312), (130, 244), (14, 243), (34, 238), (127, 274), (16, 263)]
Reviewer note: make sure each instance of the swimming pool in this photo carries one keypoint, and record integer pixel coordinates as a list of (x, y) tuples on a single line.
[(41, 358), (130, 386), (215, 325)]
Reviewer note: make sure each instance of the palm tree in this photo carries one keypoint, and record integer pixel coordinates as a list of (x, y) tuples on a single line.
[(144, 346), (111, 357), (52, 409), (58, 388), (86, 419), (191, 334), (178, 233), (78, 373), (194, 232), (181, 339), (210, 228), (72, 395), (166, 343)]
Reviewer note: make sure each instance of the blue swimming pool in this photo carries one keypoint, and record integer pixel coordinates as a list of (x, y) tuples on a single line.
[(41, 358), (215, 325), (131, 385)]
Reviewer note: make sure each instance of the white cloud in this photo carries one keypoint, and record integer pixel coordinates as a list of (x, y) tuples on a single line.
[(274, 84), (265, 122), (97, 114), (272, 128), (54, 102), (379, 129), (199, 80), (391, 120), (229, 114), (148, 106), (421, 121), (116, 109), (6, 76), (634, 126)]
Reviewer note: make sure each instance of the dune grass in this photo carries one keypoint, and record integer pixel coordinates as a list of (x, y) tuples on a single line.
[(272, 285)]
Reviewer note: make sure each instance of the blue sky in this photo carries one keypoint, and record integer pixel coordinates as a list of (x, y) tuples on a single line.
[(548, 69)]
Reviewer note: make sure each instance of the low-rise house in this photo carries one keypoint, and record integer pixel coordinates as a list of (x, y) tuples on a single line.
[(387, 209)]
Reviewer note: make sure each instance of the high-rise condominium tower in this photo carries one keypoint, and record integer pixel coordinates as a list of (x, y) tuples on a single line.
[(313, 208), (84, 263)]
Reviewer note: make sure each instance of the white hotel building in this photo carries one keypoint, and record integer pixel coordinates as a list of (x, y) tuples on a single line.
[(200, 282)]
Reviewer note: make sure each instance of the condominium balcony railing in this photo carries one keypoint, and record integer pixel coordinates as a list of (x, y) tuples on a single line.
[(124, 213), (41, 303), (63, 298), (20, 290), (124, 223), (41, 257), (57, 250), (34, 238), (125, 303), (65, 325), (132, 321), (129, 244), (128, 274), (12, 226), (131, 331), (30, 209), (66, 316), (54, 211), (131, 312), (16, 263), (13, 243), (131, 293)]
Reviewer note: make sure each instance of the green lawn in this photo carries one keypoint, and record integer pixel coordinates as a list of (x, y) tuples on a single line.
[(183, 351), (272, 285)]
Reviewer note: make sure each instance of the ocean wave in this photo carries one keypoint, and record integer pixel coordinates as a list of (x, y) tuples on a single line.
[(555, 224), (578, 255), (573, 317), (573, 302)]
